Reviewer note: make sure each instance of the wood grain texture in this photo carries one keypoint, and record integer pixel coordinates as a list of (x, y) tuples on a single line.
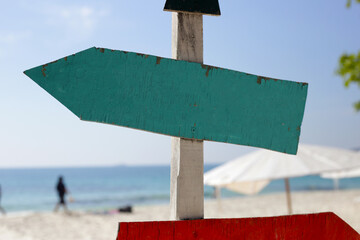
[(187, 37), (177, 98), (187, 156), (323, 226), (208, 7), (187, 179)]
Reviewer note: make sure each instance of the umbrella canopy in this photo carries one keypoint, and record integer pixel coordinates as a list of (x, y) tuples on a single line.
[(336, 176), (350, 173), (265, 165), (249, 174)]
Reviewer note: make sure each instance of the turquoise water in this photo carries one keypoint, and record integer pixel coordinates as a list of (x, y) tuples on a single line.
[(111, 187)]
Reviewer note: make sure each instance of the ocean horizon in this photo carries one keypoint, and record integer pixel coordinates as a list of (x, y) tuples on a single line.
[(99, 188)]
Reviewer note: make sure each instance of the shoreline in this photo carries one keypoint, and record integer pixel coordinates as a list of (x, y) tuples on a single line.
[(207, 198), (87, 225)]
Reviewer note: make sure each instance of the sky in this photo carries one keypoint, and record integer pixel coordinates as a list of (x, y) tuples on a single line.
[(293, 40)]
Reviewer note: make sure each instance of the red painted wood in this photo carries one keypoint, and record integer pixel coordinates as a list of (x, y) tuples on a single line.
[(322, 226)]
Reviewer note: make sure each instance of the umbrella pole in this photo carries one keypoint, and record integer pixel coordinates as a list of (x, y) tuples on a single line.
[(288, 195), (336, 184), (218, 197)]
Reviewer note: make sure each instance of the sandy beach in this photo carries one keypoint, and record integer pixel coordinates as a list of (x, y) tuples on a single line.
[(88, 226)]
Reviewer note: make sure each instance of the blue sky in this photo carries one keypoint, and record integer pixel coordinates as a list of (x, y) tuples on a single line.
[(293, 40)]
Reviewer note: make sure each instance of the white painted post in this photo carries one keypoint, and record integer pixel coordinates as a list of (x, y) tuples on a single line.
[(187, 160)]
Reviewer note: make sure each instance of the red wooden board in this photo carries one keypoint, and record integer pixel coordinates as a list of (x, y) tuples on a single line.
[(322, 226)]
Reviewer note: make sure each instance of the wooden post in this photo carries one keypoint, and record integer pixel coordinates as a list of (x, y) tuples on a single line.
[(187, 160), (288, 196)]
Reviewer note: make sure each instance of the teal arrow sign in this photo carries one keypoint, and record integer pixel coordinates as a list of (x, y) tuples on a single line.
[(177, 98)]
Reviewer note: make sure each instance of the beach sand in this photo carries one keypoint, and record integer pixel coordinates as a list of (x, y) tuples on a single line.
[(88, 226)]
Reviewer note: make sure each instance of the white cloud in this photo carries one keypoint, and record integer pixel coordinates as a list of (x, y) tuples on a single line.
[(9, 40), (78, 20), (14, 37), (72, 19)]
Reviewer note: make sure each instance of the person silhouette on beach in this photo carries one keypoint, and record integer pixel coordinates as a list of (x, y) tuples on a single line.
[(2, 210), (62, 191)]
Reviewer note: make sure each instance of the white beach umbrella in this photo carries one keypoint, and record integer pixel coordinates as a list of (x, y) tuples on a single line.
[(336, 176), (349, 173), (251, 173)]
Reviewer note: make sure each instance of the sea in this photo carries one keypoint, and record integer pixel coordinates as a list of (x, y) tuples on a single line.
[(107, 188)]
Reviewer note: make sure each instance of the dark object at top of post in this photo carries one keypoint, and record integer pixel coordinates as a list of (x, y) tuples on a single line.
[(209, 7)]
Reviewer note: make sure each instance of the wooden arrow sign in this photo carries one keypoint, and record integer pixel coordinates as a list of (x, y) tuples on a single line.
[(177, 98), (323, 226)]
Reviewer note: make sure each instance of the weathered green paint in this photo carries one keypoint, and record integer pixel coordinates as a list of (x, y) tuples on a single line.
[(177, 98), (210, 7)]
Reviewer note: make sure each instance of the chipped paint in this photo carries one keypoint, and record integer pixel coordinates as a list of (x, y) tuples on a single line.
[(44, 69), (142, 55), (260, 78), (158, 59), (208, 68)]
